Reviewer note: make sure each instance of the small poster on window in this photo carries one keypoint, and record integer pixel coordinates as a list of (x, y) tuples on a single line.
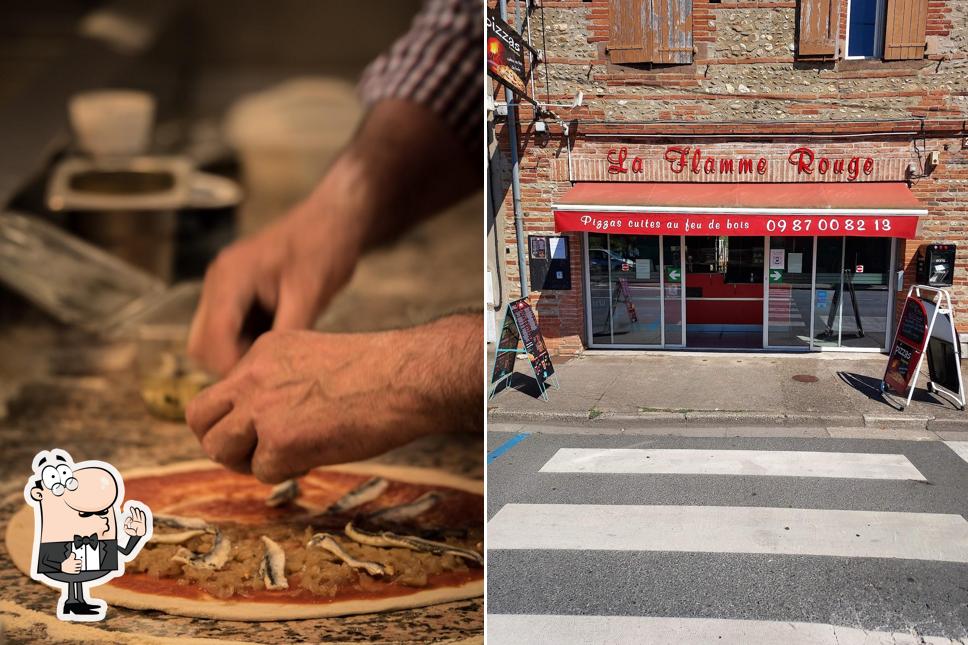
[(643, 269), (538, 249), (795, 263), (559, 248), (777, 258)]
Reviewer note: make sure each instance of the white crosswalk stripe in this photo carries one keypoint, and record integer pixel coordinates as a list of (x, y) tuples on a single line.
[(586, 630), (773, 463), (960, 448), (730, 529)]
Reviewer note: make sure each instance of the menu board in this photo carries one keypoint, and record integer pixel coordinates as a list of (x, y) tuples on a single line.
[(914, 321), (942, 352), (943, 364), (908, 346), (534, 343), (506, 350), (627, 296)]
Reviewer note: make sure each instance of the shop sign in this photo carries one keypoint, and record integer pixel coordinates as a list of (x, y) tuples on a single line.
[(687, 160), (505, 55), (736, 224), (776, 276), (859, 269), (673, 274)]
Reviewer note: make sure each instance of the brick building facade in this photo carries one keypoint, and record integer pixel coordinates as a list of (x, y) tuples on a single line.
[(752, 80)]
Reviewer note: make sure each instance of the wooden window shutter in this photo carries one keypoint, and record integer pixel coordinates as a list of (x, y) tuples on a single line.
[(819, 21), (628, 39), (672, 31), (904, 29)]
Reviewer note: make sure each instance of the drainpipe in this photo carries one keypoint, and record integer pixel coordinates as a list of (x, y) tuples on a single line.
[(516, 170)]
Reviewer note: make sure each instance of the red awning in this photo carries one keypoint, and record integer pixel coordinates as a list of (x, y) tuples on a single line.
[(875, 209)]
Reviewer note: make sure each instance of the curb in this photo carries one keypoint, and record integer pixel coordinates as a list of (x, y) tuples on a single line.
[(612, 420)]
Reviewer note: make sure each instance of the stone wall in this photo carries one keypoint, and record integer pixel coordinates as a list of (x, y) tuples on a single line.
[(744, 68)]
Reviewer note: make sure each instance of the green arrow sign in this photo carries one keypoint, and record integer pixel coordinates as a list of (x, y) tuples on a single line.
[(776, 276), (673, 274)]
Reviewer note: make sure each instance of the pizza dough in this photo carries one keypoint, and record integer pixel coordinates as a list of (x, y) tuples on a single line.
[(119, 592)]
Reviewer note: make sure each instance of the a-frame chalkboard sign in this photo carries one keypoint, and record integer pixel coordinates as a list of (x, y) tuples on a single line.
[(926, 329), (520, 335)]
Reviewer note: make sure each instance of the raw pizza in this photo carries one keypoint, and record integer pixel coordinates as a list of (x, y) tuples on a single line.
[(351, 539)]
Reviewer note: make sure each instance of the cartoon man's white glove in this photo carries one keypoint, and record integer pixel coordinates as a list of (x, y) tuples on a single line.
[(71, 564), (136, 524)]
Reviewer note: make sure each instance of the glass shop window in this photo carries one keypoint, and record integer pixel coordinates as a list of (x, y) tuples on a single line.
[(739, 259), (865, 29), (707, 254)]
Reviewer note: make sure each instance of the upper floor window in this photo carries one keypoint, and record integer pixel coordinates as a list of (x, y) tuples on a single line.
[(865, 28), (650, 31), (886, 29)]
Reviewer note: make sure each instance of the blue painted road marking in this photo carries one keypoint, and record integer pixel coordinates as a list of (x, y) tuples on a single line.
[(507, 445)]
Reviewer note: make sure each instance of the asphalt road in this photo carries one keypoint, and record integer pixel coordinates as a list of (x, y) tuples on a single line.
[(628, 542)]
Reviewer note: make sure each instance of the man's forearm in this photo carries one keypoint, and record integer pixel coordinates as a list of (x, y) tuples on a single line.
[(403, 165), (443, 362)]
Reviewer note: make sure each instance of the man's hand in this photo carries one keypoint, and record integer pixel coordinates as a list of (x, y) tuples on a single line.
[(302, 399), (292, 268), (136, 524), (400, 167), (71, 564)]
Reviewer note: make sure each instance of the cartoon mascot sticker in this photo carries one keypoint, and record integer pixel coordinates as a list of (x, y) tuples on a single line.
[(76, 538)]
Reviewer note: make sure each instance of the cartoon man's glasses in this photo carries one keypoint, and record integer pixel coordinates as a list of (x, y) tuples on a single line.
[(58, 479)]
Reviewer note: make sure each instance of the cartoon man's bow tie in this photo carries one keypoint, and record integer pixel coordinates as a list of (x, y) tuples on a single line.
[(90, 541)]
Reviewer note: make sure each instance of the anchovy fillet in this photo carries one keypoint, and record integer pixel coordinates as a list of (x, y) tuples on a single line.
[(273, 568), (326, 541), (216, 557), (407, 511), (388, 539), (365, 492), (176, 522), (177, 538), (283, 493)]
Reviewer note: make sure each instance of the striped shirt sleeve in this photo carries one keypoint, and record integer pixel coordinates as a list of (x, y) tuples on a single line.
[(439, 64)]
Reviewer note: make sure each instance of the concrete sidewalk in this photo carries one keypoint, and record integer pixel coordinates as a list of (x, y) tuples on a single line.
[(641, 389)]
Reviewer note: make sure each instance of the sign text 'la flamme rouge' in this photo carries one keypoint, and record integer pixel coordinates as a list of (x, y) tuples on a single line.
[(686, 159)]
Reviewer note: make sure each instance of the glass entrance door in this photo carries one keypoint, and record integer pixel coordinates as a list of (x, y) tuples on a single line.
[(789, 279), (625, 289), (635, 295), (674, 300), (866, 319), (853, 295), (826, 307), (724, 292)]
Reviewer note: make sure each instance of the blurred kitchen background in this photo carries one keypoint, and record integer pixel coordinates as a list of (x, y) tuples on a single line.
[(229, 111)]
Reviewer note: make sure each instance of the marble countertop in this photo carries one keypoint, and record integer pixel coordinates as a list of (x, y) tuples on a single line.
[(60, 389)]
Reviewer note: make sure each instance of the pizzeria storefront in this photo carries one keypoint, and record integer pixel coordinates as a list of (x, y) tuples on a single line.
[(788, 265)]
